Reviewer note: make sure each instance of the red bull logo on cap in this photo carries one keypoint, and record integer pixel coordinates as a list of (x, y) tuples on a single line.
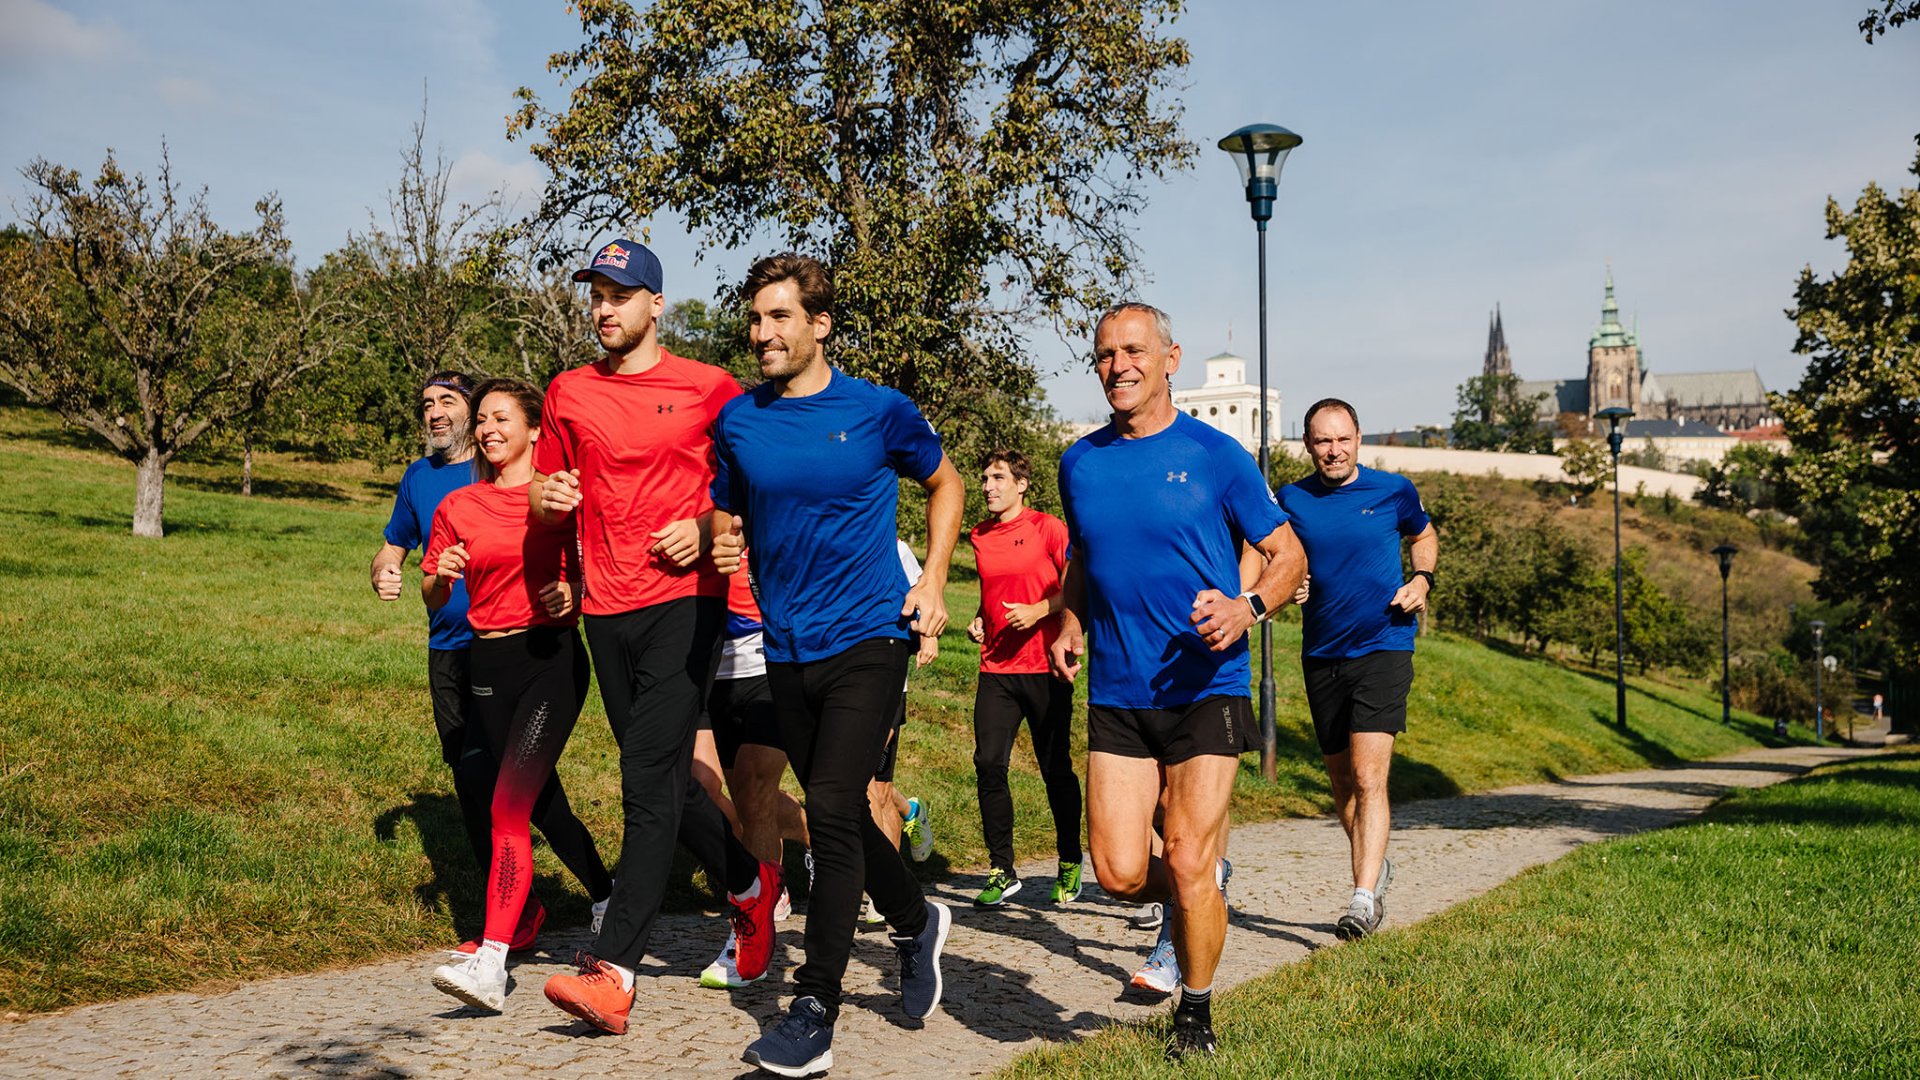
[(612, 255)]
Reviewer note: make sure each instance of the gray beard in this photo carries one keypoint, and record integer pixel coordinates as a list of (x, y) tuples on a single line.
[(451, 445)]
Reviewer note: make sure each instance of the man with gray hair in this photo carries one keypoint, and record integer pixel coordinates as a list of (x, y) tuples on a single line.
[(1158, 506)]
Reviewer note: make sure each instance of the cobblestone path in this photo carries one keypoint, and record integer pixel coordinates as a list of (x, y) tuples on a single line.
[(1015, 977)]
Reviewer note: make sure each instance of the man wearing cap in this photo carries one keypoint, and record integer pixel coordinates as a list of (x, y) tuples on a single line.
[(624, 452)]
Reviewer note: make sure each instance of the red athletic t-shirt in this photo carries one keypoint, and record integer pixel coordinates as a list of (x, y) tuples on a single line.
[(740, 599), (1020, 561), (510, 556), (645, 457)]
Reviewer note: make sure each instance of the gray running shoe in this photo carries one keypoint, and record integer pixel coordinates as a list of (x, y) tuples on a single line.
[(1148, 917), (1360, 920), (1380, 891)]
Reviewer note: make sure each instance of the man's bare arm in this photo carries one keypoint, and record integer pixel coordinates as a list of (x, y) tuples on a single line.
[(385, 571), (946, 500)]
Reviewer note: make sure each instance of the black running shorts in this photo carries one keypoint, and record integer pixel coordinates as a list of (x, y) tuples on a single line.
[(1216, 725), (741, 712), (1360, 693)]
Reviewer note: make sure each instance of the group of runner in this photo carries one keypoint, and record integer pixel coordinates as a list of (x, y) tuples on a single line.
[(748, 607)]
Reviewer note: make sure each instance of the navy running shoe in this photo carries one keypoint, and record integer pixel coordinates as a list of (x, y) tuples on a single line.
[(920, 987), (801, 1044)]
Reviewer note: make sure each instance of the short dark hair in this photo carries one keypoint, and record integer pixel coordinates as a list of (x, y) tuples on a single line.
[(525, 395), (452, 380), (807, 273), (1016, 463), (1328, 403)]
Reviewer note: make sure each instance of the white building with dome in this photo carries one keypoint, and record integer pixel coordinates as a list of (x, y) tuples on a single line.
[(1227, 403)]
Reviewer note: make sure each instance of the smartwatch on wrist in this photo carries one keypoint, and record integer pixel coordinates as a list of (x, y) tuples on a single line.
[(1258, 605), (1428, 574)]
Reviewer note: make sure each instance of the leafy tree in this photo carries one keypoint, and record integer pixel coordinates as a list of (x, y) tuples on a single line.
[(1749, 477), (130, 312), (1854, 420), (712, 334), (1587, 464), (1648, 456), (1890, 14), (968, 168), (425, 293), (1494, 415)]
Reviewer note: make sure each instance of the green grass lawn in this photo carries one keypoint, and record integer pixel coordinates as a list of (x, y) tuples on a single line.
[(1775, 937), (217, 760)]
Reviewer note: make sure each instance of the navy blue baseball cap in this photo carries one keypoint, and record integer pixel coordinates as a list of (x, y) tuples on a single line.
[(627, 262)]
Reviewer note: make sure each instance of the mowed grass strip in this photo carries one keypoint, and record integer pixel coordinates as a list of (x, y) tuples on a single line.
[(1774, 937), (217, 760)]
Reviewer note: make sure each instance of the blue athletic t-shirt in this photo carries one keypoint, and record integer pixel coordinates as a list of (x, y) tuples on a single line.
[(422, 486), (817, 480), (1155, 521), (1351, 534)]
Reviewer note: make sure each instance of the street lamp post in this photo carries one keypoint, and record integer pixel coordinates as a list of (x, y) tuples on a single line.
[(1260, 151), (1819, 661), (1725, 553), (1613, 416)]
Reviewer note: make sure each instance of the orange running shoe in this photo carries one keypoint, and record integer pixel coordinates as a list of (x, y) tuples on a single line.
[(594, 995), (753, 925), (525, 934)]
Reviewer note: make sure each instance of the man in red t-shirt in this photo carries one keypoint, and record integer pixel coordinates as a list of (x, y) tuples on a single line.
[(1022, 554), (624, 449)]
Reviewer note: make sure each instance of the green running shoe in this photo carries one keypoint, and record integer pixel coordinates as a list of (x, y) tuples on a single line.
[(918, 830), (1066, 884), (1000, 886)]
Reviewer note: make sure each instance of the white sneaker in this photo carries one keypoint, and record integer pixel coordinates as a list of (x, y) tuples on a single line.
[(1148, 916), (480, 982), (783, 907), (724, 972), (870, 915), (599, 916)]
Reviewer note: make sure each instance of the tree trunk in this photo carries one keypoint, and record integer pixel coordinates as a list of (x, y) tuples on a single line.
[(246, 467), (149, 493)]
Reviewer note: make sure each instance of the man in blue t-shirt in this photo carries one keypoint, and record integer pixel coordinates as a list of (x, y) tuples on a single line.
[(807, 469), (1158, 508), (1357, 645)]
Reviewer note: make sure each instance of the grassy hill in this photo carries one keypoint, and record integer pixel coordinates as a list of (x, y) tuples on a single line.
[(216, 757)]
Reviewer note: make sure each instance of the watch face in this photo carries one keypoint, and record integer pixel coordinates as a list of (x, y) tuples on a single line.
[(1259, 606)]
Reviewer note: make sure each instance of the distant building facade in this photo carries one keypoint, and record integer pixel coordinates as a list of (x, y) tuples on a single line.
[(1227, 403), (1617, 375)]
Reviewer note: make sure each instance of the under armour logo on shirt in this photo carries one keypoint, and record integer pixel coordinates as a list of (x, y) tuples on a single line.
[(663, 408), (1017, 543), (838, 436), (1180, 476), (1367, 510)]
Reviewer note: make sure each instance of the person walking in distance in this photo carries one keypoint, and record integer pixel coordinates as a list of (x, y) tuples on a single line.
[(1021, 554), (528, 663), (1158, 506), (807, 476), (446, 417), (625, 454), (1361, 616)]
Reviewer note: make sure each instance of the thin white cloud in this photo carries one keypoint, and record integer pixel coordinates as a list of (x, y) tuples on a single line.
[(182, 89), (36, 32), (477, 174)]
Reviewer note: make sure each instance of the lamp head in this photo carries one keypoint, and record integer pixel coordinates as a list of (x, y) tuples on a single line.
[(1725, 553), (1260, 151)]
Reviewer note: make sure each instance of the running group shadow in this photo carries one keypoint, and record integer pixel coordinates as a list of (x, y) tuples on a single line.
[(455, 882)]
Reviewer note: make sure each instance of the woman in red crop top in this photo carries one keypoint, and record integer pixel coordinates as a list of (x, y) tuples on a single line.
[(529, 667)]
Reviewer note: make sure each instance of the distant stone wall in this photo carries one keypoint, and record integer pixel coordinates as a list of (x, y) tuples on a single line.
[(1404, 459)]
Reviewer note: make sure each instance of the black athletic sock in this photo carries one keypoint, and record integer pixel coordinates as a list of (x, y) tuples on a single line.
[(1196, 1003)]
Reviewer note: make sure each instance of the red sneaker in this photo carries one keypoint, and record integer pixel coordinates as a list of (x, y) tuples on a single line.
[(525, 934), (594, 995), (753, 925)]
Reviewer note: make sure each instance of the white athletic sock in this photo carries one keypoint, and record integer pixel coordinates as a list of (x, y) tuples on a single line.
[(626, 975), (753, 890), (494, 952), (1364, 894)]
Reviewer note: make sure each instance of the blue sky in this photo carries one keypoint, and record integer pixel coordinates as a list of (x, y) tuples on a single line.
[(1456, 155)]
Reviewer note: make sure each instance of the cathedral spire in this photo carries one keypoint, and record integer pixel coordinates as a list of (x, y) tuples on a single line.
[(1499, 361), (1610, 335)]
